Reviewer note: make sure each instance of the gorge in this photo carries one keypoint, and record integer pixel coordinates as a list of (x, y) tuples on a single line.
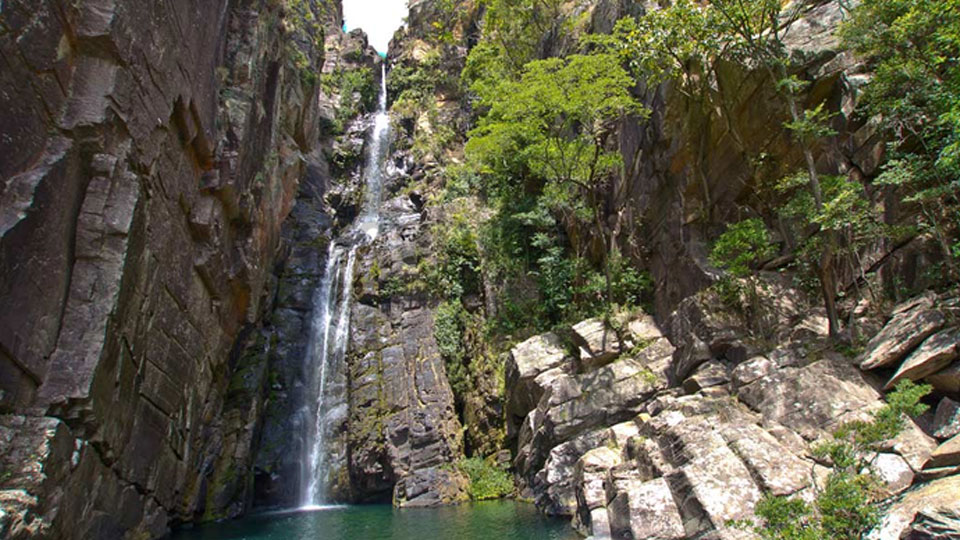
[(652, 269)]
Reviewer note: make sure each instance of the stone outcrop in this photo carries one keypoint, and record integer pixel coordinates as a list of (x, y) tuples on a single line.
[(683, 459), (151, 153), (404, 432), (920, 342)]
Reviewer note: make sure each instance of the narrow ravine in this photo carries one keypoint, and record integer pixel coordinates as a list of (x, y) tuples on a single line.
[(329, 332)]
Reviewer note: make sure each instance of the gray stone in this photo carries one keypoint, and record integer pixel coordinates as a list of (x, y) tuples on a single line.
[(645, 510), (598, 343), (530, 368), (430, 487), (935, 353), (588, 477), (913, 445), (947, 380), (946, 421), (813, 399), (893, 471), (930, 511), (751, 370), (778, 469), (945, 455), (712, 373), (908, 328)]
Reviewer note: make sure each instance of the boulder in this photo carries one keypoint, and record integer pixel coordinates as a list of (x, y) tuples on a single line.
[(776, 468), (588, 477), (929, 511), (947, 380), (934, 354), (893, 471), (751, 370), (712, 373), (946, 455), (811, 400), (909, 327), (644, 329), (639, 509), (946, 421), (433, 486), (913, 445), (693, 353), (598, 343), (530, 367), (609, 395), (554, 490)]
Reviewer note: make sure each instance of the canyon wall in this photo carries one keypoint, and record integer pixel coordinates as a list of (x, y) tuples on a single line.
[(151, 152)]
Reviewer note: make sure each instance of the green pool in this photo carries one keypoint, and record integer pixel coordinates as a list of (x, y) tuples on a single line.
[(492, 520)]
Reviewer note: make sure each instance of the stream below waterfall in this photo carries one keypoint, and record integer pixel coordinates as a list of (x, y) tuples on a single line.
[(490, 520)]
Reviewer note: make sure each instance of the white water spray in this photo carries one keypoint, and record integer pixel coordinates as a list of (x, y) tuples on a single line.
[(330, 325)]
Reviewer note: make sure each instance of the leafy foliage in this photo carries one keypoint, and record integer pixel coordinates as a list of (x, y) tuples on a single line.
[(357, 91), (487, 481), (449, 323), (915, 97), (744, 245)]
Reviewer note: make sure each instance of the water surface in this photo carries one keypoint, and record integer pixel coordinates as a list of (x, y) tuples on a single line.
[(491, 520)]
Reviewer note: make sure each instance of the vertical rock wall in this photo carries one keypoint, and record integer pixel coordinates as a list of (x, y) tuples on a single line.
[(151, 150)]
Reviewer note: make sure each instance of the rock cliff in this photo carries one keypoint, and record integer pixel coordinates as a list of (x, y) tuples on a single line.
[(629, 454), (152, 151), (172, 176)]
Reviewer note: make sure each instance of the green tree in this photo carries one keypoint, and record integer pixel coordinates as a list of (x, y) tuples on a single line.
[(685, 42), (758, 29), (555, 124), (739, 251), (915, 95)]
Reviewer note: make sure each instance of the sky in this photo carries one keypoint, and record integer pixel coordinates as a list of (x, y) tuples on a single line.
[(378, 18)]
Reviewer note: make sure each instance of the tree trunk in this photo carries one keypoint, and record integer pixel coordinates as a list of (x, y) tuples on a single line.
[(828, 281)]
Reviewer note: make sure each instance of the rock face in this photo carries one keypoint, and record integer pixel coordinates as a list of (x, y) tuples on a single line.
[(151, 153), (403, 429), (629, 454)]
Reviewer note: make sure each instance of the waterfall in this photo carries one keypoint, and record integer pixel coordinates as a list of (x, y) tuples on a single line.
[(330, 323)]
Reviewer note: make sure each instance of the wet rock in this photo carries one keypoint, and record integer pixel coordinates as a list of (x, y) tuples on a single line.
[(431, 487)]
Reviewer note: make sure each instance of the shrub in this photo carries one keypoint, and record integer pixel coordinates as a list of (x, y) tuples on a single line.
[(487, 481)]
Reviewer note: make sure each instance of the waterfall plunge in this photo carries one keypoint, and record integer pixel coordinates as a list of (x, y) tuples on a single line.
[(330, 324)]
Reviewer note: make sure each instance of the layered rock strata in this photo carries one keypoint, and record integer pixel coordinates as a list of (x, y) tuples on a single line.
[(151, 152)]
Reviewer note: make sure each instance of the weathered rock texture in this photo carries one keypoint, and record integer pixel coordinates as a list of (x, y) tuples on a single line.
[(403, 429), (151, 150), (629, 454)]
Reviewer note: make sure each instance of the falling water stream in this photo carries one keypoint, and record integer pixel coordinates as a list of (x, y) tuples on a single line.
[(329, 329)]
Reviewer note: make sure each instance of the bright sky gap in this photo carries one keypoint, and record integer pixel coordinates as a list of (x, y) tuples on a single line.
[(378, 18)]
